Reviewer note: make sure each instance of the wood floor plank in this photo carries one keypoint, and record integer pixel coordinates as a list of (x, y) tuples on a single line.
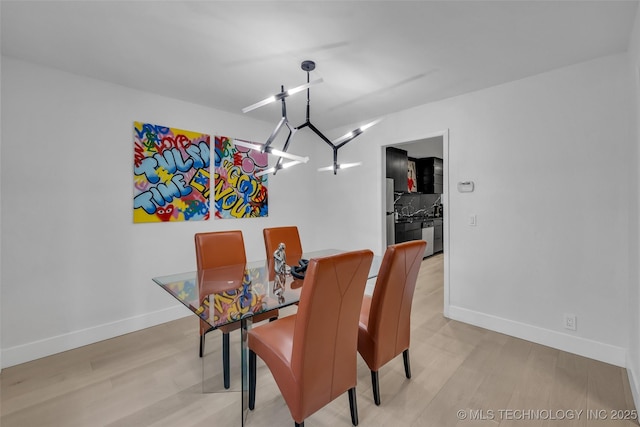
[(569, 390), (531, 395), (606, 396), (504, 372)]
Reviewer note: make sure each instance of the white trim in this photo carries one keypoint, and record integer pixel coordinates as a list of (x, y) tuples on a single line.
[(446, 235), (581, 346), (48, 346), (383, 200), (633, 382)]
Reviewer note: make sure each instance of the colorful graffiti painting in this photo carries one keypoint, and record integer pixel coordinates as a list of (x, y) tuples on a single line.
[(238, 193), (171, 174)]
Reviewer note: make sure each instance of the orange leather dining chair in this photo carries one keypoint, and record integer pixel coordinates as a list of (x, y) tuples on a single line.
[(290, 237), (385, 318), (218, 249), (312, 354)]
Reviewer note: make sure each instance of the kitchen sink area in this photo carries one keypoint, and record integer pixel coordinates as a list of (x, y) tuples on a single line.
[(418, 217)]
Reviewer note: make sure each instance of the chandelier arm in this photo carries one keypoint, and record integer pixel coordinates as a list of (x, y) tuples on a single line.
[(302, 126), (343, 143), (286, 143), (350, 135), (280, 96), (275, 132), (284, 148), (277, 166), (320, 134), (291, 129), (284, 104)]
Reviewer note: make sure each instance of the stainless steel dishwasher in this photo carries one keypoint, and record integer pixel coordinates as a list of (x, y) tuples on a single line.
[(427, 236)]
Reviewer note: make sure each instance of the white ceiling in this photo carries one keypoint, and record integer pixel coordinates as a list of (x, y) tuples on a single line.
[(428, 147), (376, 57)]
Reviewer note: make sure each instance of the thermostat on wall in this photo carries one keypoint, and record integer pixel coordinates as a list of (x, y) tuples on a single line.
[(465, 186)]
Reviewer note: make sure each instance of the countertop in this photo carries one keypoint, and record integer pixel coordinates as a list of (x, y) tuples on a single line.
[(420, 218)]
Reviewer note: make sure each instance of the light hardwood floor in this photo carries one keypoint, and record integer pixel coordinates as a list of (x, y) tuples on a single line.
[(153, 378)]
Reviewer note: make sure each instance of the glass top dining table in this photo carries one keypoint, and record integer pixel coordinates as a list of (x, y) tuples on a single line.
[(235, 293)]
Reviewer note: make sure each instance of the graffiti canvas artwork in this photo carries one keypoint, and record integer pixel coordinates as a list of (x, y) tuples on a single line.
[(171, 174), (238, 192)]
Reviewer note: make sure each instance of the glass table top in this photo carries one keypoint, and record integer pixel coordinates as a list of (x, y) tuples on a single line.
[(223, 295)]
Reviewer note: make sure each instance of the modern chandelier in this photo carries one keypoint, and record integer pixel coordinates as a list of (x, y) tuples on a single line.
[(335, 145)]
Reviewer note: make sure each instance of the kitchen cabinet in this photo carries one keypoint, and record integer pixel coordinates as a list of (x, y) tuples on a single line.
[(437, 235), (430, 175), (397, 162), (429, 230), (406, 231)]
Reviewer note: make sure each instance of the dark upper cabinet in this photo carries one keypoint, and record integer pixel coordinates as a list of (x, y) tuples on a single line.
[(397, 166), (430, 175)]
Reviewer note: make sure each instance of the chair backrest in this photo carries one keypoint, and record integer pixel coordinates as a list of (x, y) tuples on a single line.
[(219, 248), (390, 312), (287, 235), (325, 338)]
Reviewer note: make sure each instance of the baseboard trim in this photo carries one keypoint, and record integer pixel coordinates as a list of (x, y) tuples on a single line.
[(35, 350), (584, 347), (633, 382)]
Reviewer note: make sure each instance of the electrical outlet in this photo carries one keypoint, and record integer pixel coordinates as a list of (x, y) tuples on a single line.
[(570, 322), (473, 220)]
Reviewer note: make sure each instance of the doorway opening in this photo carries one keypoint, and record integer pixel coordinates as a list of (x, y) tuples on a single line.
[(419, 208)]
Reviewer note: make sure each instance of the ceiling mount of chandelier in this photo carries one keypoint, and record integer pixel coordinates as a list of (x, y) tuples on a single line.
[(335, 145)]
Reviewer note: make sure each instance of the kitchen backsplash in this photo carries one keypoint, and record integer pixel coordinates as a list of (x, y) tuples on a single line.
[(408, 204)]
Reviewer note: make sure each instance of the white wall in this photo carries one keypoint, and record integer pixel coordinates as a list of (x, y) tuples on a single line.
[(1, 365), (428, 147), (75, 269), (633, 358), (550, 159), (549, 156)]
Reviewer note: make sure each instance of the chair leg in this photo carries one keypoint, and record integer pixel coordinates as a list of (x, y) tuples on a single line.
[(225, 360), (299, 424), (375, 386), (201, 345), (202, 340), (353, 405), (252, 380), (407, 366)]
